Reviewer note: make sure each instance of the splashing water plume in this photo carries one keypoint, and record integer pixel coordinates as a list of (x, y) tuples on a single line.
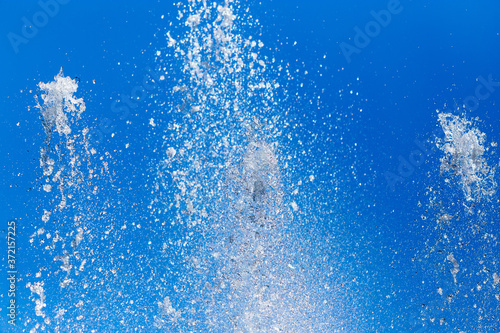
[(464, 149), (222, 154), (217, 202)]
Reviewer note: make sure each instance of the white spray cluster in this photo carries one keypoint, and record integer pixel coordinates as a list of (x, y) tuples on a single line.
[(464, 149), (58, 102)]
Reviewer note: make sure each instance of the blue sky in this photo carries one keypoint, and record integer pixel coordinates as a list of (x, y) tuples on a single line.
[(349, 122)]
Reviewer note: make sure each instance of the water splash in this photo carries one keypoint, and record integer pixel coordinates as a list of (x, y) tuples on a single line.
[(63, 157), (71, 165), (241, 270), (465, 151), (217, 203), (58, 103), (266, 290)]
